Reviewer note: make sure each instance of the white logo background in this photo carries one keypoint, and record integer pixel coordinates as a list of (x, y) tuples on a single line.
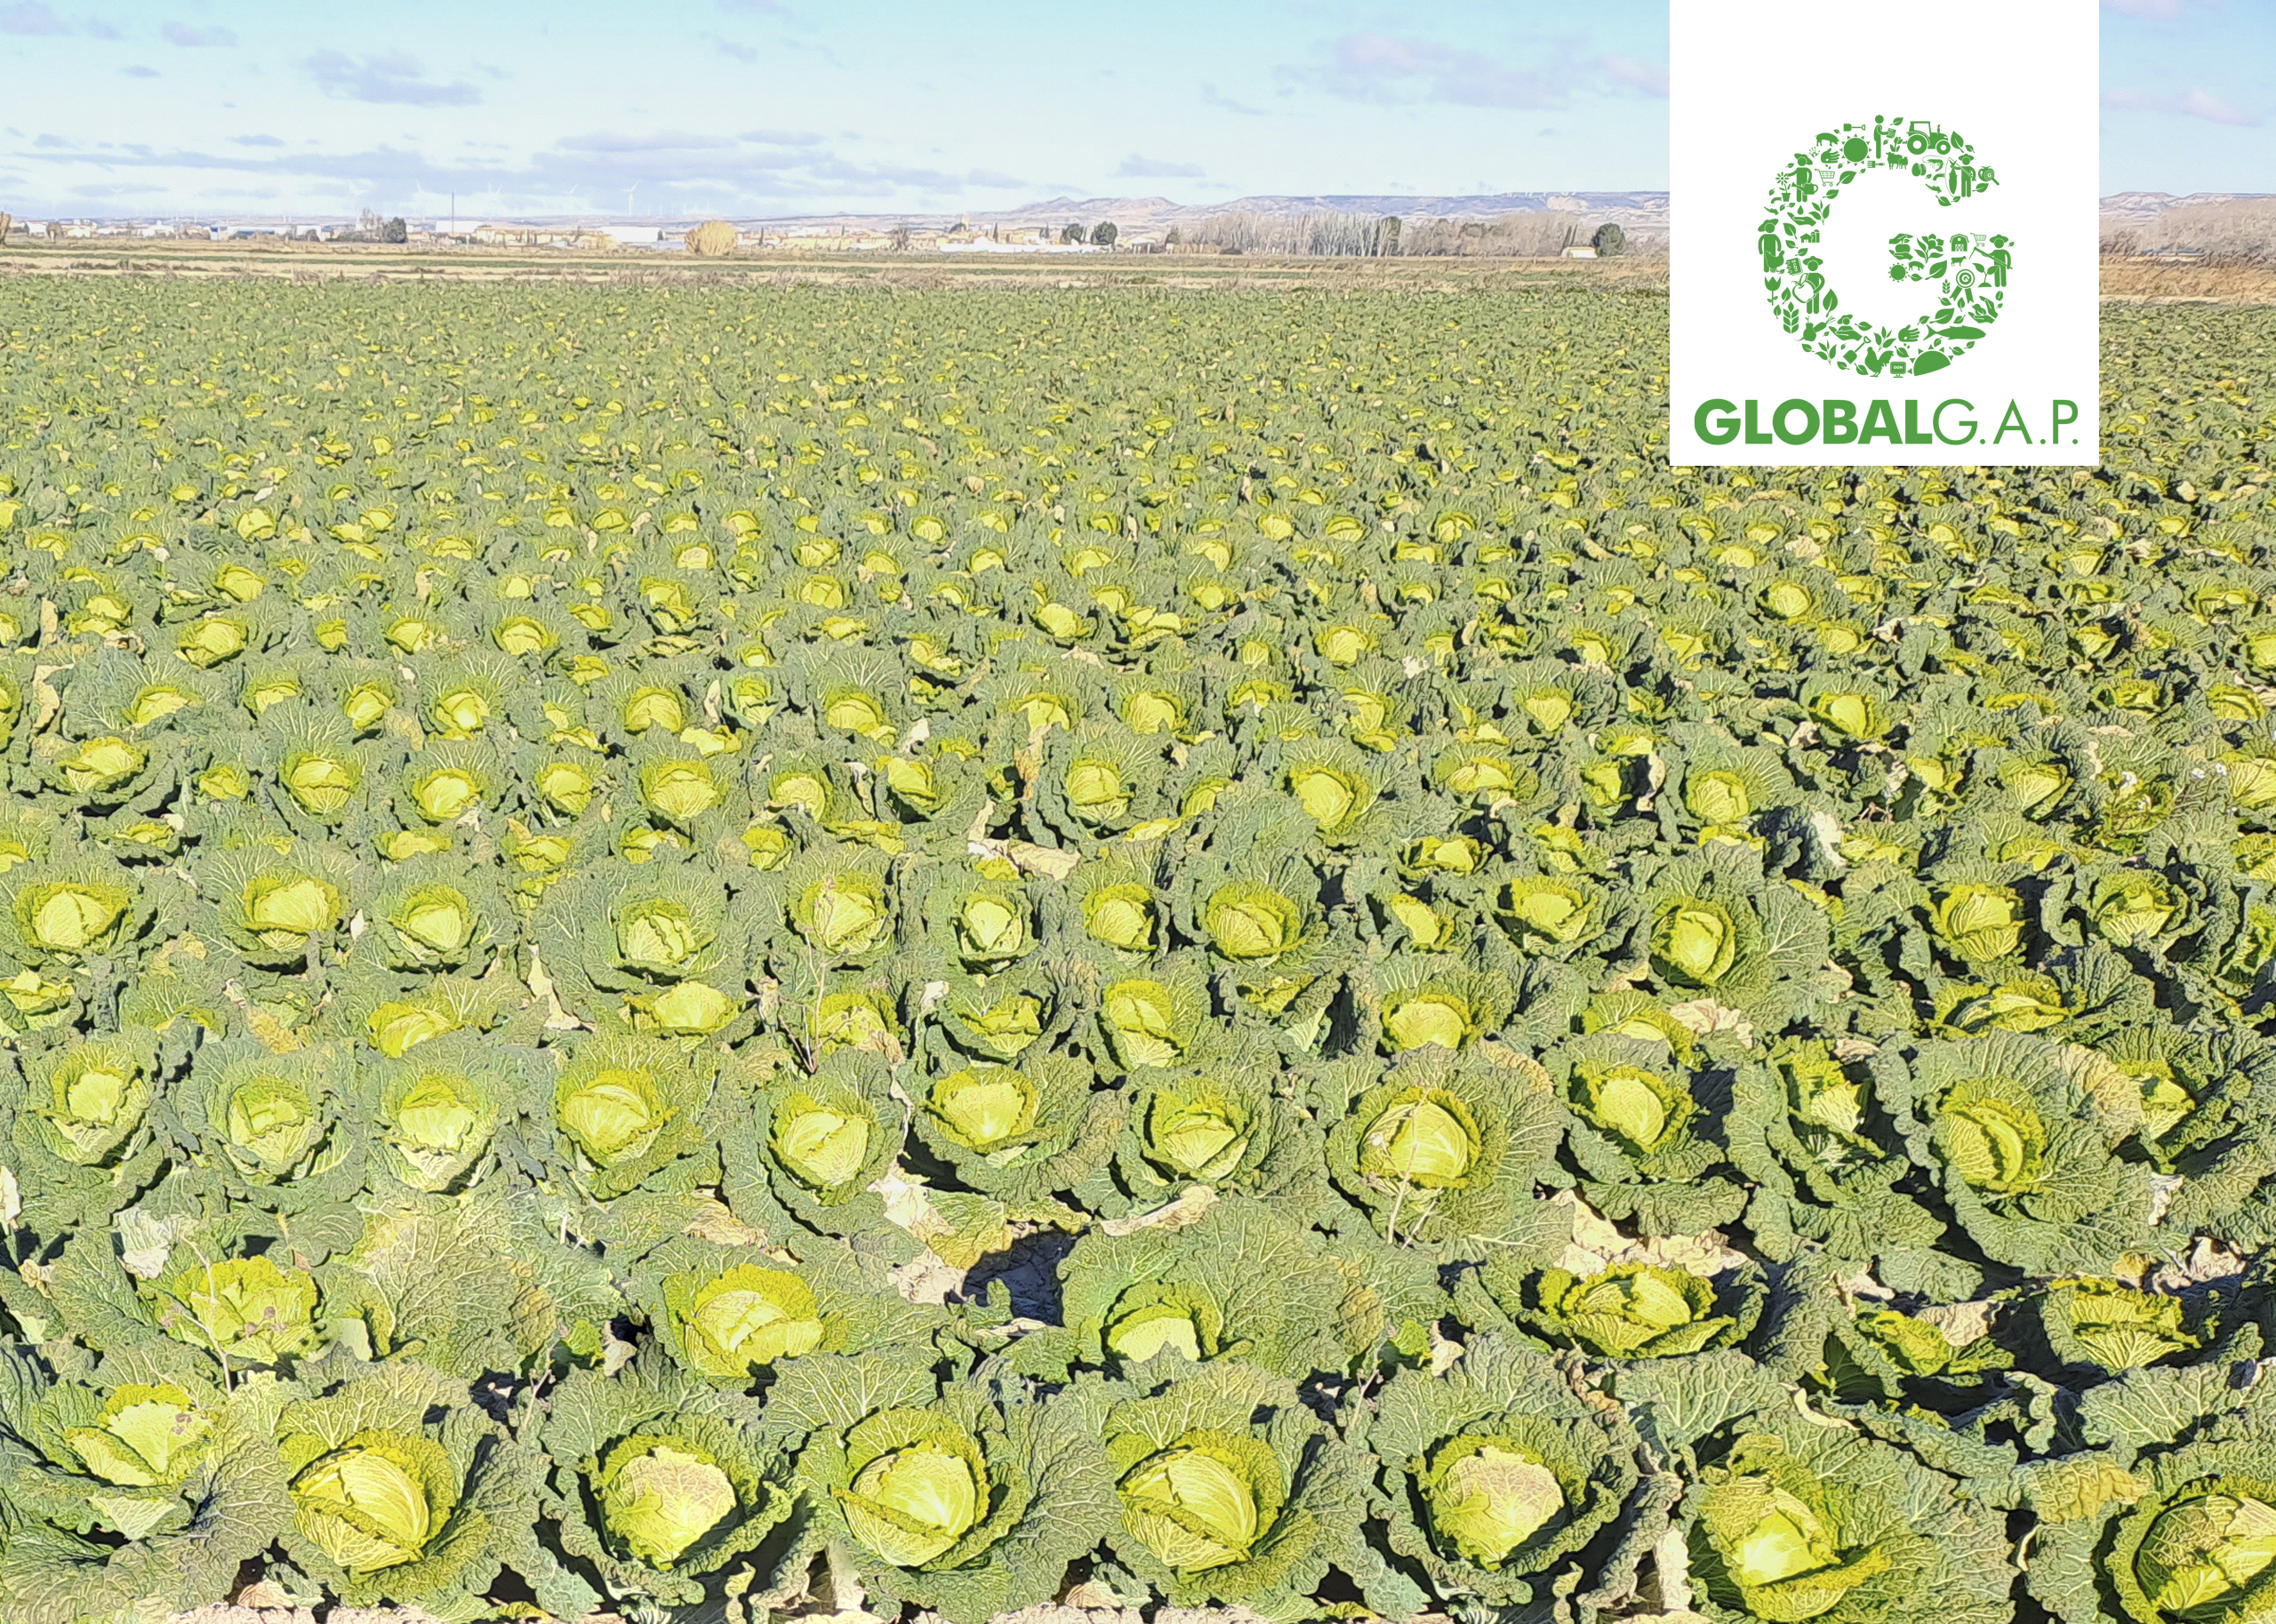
[(1753, 81)]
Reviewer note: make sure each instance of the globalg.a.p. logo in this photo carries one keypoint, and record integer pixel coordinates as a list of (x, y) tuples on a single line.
[(1970, 270)]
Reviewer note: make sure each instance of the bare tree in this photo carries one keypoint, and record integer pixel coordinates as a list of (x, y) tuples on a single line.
[(898, 237), (1538, 233), (1522, 233), (1239, 231)]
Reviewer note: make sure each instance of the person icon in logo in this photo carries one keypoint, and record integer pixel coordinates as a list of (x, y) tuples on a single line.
[(1774, 253), (1824, 300), (2001, 259)]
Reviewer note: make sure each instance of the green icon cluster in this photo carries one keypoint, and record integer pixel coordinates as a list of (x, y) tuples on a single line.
[(1971, 270)]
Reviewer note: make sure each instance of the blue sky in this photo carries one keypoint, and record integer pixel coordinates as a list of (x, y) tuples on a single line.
[(773, 107)]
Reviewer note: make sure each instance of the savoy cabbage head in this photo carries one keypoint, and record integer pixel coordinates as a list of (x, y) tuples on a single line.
[(658, 1482), (2026, 1163), (1231, 1490), (1791, 1514), (1494, 1477), (969, 1499), (1448, 1149)]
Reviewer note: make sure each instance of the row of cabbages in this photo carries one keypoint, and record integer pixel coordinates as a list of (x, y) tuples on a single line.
[(715, 1032)]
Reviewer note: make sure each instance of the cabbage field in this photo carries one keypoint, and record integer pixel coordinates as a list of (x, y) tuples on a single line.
[(701, 953)]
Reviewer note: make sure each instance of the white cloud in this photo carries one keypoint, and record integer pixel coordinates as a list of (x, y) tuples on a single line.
[(394, 79), (2187, 104), (1371, 66), (1375, 67), (1159, 169), (31, 18), (187, 35), (1650, 77)]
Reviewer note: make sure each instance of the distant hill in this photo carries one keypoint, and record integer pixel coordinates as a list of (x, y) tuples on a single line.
[(2142, 207), (2210, 222)]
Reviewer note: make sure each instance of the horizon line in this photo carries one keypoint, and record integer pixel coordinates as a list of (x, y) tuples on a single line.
[(914, 215)]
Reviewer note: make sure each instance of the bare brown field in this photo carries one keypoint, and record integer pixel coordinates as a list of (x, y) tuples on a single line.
[(328, 262), (2149, 282), (2125, 279)]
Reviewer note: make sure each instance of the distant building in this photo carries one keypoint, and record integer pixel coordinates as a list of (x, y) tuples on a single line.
[(1580, 252), (634, 236)]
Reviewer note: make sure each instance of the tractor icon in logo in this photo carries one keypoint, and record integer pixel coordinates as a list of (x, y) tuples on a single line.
[(1970, 270)]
